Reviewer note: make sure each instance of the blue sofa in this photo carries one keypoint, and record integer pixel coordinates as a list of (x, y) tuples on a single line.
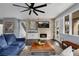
[(10, 45)]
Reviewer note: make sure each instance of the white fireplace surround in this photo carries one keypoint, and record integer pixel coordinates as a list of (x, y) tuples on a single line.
[(48, 31)]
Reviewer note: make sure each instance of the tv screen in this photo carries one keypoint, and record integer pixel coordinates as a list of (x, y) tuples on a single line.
[(43, 24)]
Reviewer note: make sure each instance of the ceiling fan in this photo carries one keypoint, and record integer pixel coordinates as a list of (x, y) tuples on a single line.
[(31, 8)]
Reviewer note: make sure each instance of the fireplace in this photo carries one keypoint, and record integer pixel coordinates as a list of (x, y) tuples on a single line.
[(43, 35)]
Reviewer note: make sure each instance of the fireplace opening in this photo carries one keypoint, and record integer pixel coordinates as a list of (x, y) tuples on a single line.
[(43, 35)]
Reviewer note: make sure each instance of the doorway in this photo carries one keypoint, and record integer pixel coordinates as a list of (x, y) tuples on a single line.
[(75, 23)]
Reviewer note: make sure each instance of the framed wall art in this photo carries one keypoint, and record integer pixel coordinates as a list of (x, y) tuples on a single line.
[(8, 26), (32, 26)]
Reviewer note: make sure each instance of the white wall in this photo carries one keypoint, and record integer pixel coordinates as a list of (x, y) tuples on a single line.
[(71, 38), (1, 29), (19, 31), (60, 20), (59, 27), (52, 10), (48, 31)]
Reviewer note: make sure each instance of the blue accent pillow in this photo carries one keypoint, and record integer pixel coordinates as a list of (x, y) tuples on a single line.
[(3, 42)]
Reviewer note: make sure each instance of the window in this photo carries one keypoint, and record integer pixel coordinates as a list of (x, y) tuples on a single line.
[(67, 24), (1, 27)]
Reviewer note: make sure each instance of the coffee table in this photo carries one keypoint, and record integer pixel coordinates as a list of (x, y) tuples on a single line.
[(46, 48)]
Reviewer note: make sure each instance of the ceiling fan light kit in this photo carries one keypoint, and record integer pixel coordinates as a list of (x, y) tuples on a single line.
[(31, 8)]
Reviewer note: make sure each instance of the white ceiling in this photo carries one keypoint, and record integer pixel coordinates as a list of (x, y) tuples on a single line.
[(51, 11)]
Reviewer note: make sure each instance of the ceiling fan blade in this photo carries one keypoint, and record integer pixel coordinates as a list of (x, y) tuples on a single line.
[(25, 10), (35, 12), (39, 11), (41, 6), (19, 6), (27, 4), (29, 12), (32, 4)]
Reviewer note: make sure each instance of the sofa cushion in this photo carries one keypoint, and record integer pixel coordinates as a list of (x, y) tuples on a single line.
[(18, 43), (3, 43), (10, 38), (11, 50)]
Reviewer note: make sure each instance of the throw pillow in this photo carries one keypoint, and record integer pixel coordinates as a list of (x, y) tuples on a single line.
[(67, 52)]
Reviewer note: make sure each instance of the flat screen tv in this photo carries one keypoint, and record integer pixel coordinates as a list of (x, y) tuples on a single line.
[(43, 24)]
